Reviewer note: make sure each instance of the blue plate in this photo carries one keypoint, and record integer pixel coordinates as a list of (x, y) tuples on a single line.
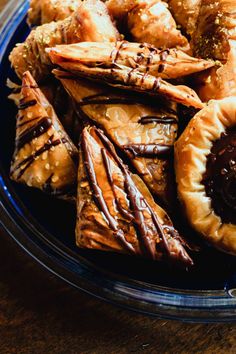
[(45, 229)]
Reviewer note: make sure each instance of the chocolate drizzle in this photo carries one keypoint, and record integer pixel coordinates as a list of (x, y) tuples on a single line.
[(97, 193), (24, 105), (147, 150), (148, 226), (156, 84), (143, 58), (27, 162), (163, 56), (122, 210), (139, 207), (117, 52), (220, 177), (163, 119), (33, 132), (133, 194), (128, 99), (20, 125), (102, 98)]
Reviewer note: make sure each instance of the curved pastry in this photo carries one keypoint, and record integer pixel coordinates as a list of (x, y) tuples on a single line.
[(205, 162), (90, 22), (145, 58), (116, 212), (73, 58), (44, 156), (61, 102)]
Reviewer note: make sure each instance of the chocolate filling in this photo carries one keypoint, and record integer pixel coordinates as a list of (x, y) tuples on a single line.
[(220, 177)]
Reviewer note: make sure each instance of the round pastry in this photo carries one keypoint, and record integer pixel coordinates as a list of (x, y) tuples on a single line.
[(205, 163)]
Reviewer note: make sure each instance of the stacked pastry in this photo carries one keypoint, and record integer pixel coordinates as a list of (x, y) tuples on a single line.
[(123, 90)]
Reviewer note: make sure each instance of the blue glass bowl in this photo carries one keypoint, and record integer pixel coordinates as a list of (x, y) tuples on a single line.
[(45, 229)]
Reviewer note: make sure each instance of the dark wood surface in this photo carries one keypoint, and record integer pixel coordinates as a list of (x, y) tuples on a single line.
[(41, 314)]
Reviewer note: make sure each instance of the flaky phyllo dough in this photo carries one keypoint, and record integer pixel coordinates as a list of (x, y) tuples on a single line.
[(90, 22), (44, 156), (186, 13), (144, 132), (142, 70), (215, 38), (45, 11), (205, 160), (116, 212), (148, 21)]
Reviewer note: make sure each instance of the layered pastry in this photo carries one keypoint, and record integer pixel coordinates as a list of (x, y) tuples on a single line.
[(185, 12), (44, 156), (145, 58), (61, 102), (144, 131), (64, 108), (215, 38), (148, 21), (116, 212), (90, 22), (132, 73), (205, 161), (45, 11)]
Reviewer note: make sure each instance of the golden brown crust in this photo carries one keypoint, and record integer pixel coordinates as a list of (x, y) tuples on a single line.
[(151, 21), (46, 11), (121, 122), (214, 38), (116, 211), (218, 82), (185, 12), (90, 22), (148, 21), (44, 157), (191, 152)]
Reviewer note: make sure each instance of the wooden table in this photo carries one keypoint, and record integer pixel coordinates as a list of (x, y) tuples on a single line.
[(41, 314)]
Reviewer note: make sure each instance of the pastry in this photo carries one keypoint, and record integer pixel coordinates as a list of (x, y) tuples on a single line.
[(90, 22), (44, 156), (215, 38), (166, 64), (115, 209), (61, 102), (64, 108), (149, 21), (144, 131), (205, 164), (45, 11), (185, 12), (73, 58)]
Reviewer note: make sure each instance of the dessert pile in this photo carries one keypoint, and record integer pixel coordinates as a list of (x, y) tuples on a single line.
[(128, 109)]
